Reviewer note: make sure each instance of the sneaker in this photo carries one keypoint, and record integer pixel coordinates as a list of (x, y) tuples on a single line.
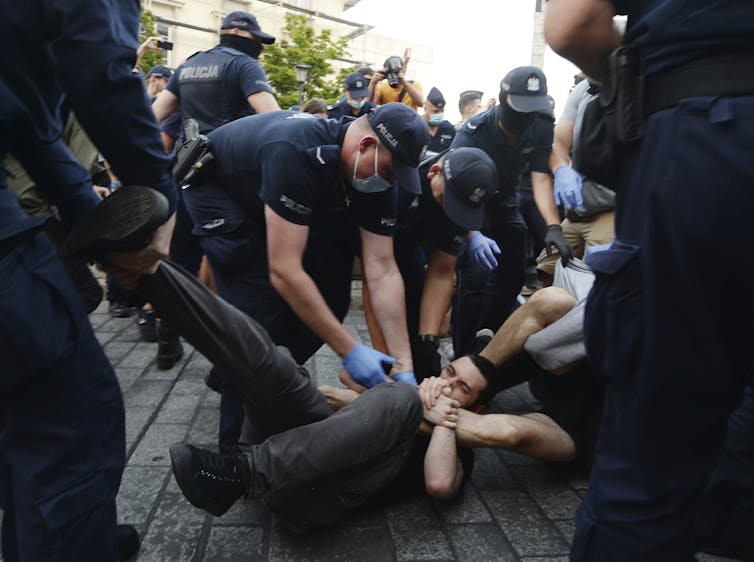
[(210, 481), (128, 542), (148, 325), (119, 309), (482, 338), (214, 380), (169, 348), (124, 221)]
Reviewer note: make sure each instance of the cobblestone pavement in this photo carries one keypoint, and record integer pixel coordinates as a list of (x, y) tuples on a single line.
[(514, 508)]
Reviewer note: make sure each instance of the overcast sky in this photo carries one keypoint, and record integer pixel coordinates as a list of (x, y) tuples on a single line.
[(476, 42)]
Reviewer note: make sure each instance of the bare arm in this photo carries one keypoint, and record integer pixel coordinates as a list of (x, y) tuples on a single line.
[(443, 474), (387, 295), (582, 31), (263, 102), (374, 90), (541, 185), (286, 242), (438, 291), (416, 96), (561, 144), (165, 105)]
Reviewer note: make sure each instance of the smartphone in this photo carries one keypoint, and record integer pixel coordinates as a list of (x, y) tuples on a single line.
[(167, 45)]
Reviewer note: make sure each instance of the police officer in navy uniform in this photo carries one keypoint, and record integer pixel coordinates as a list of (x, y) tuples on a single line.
[(675, 359), (432, 230), (225, 83), (356, 102), (517, 130), (62, 436), (441, 131), (280, 215)]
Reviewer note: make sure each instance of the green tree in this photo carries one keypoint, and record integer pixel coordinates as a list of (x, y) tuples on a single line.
[(148, 28), (301, 44)]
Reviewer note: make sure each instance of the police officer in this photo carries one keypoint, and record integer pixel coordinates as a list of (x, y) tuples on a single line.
[(225, 83), (441, 131), (355, 104), (280, 216), (675, 360), (157, 79), (62, 437), (517, 130), (432, 230)]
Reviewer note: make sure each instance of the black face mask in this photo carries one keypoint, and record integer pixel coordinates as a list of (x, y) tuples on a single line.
[(513, 121), (244, 44)]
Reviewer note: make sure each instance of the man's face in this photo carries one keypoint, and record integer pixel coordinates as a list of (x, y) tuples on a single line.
[(430, 109), (365, 168), (437, 181), (156, 84), (465, 381), (472, 108), (349, 97)]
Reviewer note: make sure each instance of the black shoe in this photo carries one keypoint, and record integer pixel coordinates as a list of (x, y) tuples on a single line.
[(128, 542), (169, 348), (124, 221), (482, 338), (119, 309), (214, 380), (210, 481), (148, 325)]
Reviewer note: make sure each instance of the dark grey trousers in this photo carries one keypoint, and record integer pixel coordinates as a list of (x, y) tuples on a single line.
[(314, 464)]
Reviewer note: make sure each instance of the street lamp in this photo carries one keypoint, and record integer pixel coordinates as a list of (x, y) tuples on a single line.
[(302, 73)]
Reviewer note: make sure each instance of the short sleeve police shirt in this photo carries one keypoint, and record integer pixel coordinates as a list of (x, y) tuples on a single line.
[(442, 139)]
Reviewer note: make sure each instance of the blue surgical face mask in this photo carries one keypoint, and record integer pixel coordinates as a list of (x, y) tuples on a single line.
[(374, 183), (357, 104), (436, 118)]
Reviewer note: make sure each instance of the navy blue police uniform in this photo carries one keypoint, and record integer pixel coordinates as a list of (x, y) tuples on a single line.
[(290, 162), (442, 139), (674, 358), (62, 437), (485, 299), (422, 225), (342, 109)]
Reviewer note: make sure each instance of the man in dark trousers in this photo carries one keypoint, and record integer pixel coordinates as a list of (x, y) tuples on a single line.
[(675, 360), (62, 436)]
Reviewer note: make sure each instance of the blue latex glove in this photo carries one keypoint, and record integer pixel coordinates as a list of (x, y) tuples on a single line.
[(406, 376), (367, 366), (568, 186), (483, 251)]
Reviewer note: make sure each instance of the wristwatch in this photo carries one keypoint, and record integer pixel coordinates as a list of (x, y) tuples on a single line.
[(429, 337)]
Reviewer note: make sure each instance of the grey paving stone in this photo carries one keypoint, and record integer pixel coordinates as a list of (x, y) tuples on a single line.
[(174, 533), (549, 489), (467, 507), (211, 399), (411, 513), (130, 334), (205, 427), (332, 543), (703, 557), (181, 405), (512, 459), (197, 361), (115, 325), (138, 493), (547, 559), (146, 393), (235, 543), (429, 544), (566, 528), (126, 377), (328, 365), (117, 350), (96, 319), (104, 337), (153, 448), (142, 354), (244, 512), (137, 419), (481, 542), (528, 530), (490, 473)]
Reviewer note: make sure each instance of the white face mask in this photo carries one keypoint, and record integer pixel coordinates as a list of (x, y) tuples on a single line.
[(357, 104), (374, 183)]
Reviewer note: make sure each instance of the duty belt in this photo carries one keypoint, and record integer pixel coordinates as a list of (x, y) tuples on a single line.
[(731, 74)]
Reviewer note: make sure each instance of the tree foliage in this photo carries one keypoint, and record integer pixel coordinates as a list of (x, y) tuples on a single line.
[(301, 44), (148, 28)]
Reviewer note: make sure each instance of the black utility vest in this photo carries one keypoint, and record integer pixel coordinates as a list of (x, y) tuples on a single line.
[(206, 94)]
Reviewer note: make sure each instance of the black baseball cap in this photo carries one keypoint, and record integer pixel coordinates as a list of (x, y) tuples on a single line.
[(526, 90), (406, 136), (470, 180), (160, 71), (247, 22), (436, 98), (357, 85)]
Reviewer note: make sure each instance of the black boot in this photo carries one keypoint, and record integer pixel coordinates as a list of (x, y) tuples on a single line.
[(128, 542), (211, 481), (214, 380), (148, 325), (169, 348)]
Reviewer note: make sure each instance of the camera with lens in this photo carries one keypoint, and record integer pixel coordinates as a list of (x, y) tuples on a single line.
[(393, 67)]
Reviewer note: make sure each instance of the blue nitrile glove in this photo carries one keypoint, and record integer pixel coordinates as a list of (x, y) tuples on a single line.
[(366, 365), (482, 251), (406, 376), (568, 186)]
